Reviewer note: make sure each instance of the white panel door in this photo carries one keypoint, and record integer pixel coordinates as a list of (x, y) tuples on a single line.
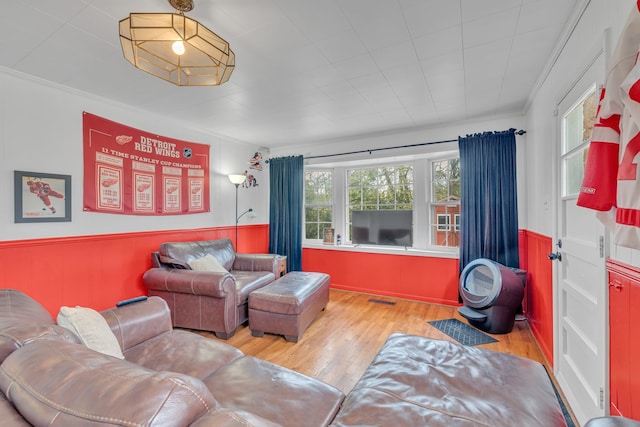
[(580, 276)]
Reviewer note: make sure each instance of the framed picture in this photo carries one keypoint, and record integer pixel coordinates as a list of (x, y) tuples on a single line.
[(41, 197)]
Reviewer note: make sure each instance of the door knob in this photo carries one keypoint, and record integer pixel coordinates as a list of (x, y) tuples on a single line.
[(555, 255)]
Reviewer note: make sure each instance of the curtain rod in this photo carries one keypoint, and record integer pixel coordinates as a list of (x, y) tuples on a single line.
[(371, 150)]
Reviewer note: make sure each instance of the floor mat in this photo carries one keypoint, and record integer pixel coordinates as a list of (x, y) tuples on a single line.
[(462, 332)]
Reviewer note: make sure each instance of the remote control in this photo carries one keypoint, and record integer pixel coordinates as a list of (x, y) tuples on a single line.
[(130, 301)]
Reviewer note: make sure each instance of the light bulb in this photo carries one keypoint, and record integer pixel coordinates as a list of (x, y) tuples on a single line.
[(178, 47)]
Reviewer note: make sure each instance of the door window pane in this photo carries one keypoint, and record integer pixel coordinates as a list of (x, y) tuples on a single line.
[(577, 125)]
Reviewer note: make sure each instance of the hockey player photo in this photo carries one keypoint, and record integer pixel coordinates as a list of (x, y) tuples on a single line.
[(43, 191), (42, 197)]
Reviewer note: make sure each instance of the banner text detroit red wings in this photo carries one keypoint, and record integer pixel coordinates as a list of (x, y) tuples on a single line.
[(133, 172)]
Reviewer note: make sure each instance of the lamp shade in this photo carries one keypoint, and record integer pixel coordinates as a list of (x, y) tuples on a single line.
[(237, 179), (148, 40)]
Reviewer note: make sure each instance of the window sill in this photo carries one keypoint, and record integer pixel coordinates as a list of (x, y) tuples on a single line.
[(389, 250)]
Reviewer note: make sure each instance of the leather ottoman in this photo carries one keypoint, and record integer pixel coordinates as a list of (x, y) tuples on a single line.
[(288, 305)]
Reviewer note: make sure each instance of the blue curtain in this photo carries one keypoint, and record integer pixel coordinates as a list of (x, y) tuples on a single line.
[(489, 205), (286, 180)]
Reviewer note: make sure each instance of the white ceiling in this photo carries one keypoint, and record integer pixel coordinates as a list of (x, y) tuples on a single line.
[(306, 70)]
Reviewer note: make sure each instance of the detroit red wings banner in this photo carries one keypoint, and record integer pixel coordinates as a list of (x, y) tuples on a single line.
[(133, 172)]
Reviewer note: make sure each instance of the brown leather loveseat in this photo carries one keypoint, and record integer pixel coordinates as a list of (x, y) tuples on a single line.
[(209, 300)]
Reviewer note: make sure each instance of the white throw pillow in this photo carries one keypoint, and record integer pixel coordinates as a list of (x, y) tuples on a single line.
[(92, 329), (207, 263)]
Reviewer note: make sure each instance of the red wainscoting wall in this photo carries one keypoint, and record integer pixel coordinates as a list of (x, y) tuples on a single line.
[(538, 304), (97, 271), (421, 278)]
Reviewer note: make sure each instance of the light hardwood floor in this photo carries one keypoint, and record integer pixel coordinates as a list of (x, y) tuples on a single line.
[(342, 341)]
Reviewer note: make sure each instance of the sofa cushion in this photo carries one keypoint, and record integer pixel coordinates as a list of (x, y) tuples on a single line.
[(56, 383), (15, 336), (9, 414), (18, 306), (272, 392), (448, 385), (231, 418), (249, 281), (183, 352), (207, 263), (23, 320), (180, 253), (380, 407), (91, 328)]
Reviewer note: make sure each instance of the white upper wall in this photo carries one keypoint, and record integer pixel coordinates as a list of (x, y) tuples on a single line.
[(41, 131), (417, 136)]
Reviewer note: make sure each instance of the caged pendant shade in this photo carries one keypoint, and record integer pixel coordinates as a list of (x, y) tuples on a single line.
[(175, 48)]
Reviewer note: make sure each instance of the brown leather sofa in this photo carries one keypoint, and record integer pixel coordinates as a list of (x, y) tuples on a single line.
[(208, 300), (170, 377)]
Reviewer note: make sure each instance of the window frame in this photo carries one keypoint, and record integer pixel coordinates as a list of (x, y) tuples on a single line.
[(330, 204), (423, 233), (447, 225), (348, 207), (447, 204), (578, 150)]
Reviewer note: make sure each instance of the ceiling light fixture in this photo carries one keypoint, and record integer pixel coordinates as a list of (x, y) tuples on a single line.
[(175, 48)]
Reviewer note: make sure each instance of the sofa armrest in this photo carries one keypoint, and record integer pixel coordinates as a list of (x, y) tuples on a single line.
[(258, 262), (138, 322), (59, 383), (205, 283)]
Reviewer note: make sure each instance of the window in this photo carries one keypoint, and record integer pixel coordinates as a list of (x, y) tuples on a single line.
[(445, 202), (428, 188), (318, 203), (376, 188), (444, 222), (577, 126)]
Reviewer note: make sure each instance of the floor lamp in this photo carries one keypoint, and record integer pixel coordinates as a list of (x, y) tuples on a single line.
[(236, 180)]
